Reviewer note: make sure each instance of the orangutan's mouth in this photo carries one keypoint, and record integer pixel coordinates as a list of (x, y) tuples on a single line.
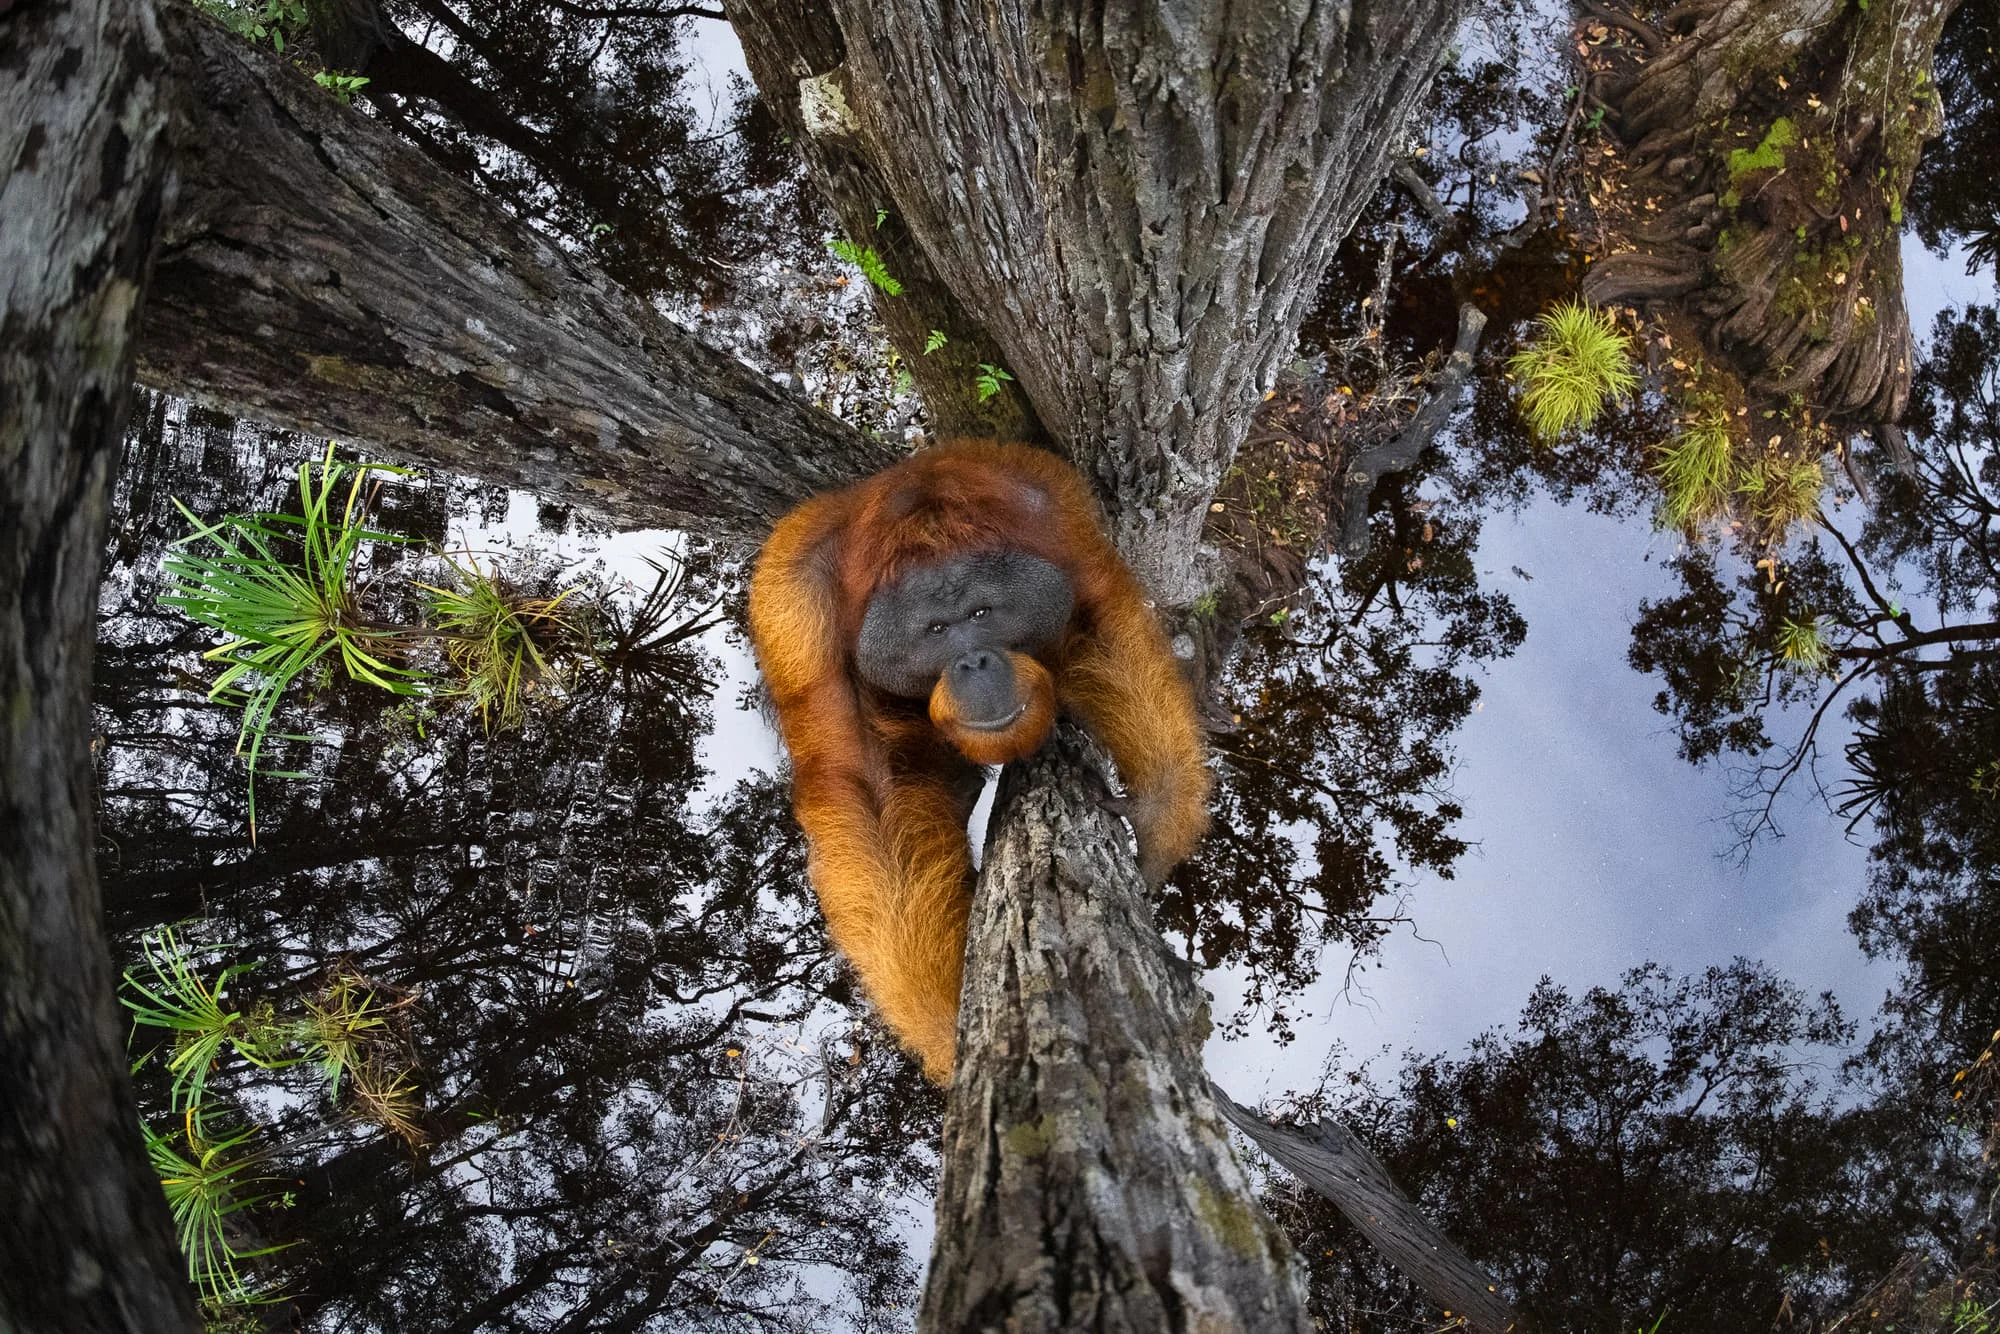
[(996, 725)]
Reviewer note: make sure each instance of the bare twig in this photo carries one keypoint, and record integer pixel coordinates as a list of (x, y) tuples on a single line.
[(1420, 190)]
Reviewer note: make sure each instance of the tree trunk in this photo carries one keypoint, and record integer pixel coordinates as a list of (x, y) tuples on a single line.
[(1135, 200), (1770, 147), (1088, 1180), (1133, 204), (84, 1233), (781, 44), (325, 276)]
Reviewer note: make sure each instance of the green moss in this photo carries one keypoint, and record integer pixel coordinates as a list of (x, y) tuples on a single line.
[(346, 374), (1769, 155), (1817, 284), (1032, 1140), (1231, 1219)]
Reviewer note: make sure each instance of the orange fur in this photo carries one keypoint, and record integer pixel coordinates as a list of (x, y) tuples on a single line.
[(883, 786), (1017, 741)]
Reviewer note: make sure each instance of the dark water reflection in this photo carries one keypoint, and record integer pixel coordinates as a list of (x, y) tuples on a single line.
[(628, 1037)]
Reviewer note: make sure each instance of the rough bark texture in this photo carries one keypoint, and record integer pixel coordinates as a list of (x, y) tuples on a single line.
[(1328, 1158), (321, 274), (785, 45), (1135, 199), (85, 1243), (1088, 1182), (1770, 148), (1132, 203)]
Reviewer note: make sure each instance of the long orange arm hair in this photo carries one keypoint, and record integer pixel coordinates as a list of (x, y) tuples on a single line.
[(882, 796)]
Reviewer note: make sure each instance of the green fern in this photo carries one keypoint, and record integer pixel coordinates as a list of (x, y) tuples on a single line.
[(990, 379), (871, 265)]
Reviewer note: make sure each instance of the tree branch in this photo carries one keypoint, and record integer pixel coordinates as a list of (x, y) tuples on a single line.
[(1329, 1159), (1402, 452), (1426, 198), (1977, 633)]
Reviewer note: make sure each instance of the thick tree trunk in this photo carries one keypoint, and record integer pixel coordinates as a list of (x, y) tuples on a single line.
[(1134, 199), (1770, 148), (85, 1243), (783, 43), (325, 276), (1088, 1181), (1132, 203)]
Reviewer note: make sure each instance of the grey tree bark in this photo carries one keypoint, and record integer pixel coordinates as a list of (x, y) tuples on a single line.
[(1132, 202), (1089, 1182), (784, 43), (1331, 1160), (85, 1242), (323, 275), (1134, 199)]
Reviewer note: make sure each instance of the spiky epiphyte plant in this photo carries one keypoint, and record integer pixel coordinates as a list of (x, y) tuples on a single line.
[(339, 1024), (388, 1097), (204, 1187), (178, 999), (1803, 643), (283, 614), (497, 638), (1577, 363), (1694, 470), (1781, 490)]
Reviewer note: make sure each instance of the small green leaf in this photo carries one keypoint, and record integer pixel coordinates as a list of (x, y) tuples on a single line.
[(990, 379)]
